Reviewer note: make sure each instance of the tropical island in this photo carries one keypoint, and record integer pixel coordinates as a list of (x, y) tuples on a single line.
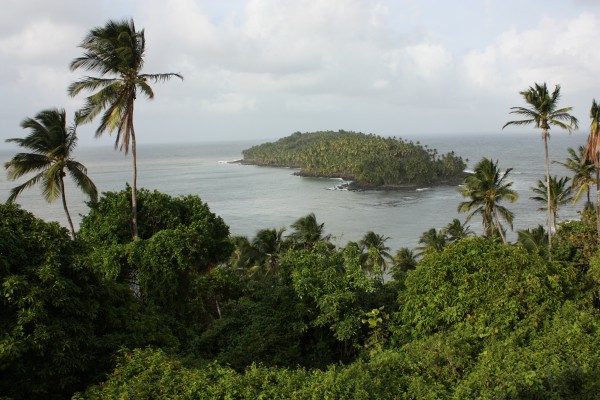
[(369, 161), (152, 297)]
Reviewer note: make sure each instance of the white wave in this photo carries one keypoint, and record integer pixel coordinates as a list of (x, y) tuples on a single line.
[(423, 189)]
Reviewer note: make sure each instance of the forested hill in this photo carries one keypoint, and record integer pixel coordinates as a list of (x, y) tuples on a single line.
[(368, 160)]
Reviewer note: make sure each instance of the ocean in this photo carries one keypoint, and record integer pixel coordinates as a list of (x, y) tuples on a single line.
[(250, 198)]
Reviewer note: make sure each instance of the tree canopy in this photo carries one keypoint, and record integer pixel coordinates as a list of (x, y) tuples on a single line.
[(368, 160)]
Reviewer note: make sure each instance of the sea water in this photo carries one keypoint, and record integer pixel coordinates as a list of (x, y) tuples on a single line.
[(250, 198)]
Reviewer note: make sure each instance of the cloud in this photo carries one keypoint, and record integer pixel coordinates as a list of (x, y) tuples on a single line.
[(551, 52), (377, 65)]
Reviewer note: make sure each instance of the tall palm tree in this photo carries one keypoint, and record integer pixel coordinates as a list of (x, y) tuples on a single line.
[(376, 253), (560, 194), (307, 231), (592, 154), (116, 52), (486, 188), (543, 112), (52, 144), (583, 173)]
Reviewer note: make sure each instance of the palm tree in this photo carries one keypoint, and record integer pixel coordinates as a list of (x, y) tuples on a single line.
[(52, 144), (560, 194), (486, 188), (268, 245), (117, 51), (376, 253), (543, 112), (583, 173), (534, 240), (307, 231), (432, 240), (457, 230), (404, 260), (592, 154), (244, 255)]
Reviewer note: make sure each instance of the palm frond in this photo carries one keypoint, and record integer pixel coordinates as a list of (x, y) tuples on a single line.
[(89, 83), (79, 174), (16, 191)]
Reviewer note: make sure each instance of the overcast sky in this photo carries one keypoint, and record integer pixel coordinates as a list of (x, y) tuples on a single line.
[(263, 69)]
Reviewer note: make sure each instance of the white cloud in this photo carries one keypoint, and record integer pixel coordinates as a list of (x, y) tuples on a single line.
[(551, 52), (429, 60), (333, 64)]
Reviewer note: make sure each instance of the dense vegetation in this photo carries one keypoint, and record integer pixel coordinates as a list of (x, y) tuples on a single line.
[(154, 299), (185, 311), (368, 160)]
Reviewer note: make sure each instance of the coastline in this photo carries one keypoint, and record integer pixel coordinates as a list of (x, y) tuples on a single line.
[(353, 185)]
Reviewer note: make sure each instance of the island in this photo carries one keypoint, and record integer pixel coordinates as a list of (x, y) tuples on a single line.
[(368, 161)]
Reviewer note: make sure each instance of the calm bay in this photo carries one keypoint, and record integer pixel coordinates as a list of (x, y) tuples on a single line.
[(250, 198)]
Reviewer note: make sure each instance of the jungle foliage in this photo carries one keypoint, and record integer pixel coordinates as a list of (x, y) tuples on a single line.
[(368, 160), (474, 318)]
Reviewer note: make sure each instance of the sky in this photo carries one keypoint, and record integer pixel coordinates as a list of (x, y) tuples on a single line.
[(263, 69)]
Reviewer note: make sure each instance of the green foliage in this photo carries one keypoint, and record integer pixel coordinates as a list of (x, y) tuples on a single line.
[(51, 310), (486, 188), (584, 172), (307, 232), (577, 242), (534, 240), (432, 240), (334, 282), (476, 320), (151, 374), (375, 254), (560, 362), (369, 160), (481, 283), (265, 325), (179, 241), (52, 145), (559, 192)]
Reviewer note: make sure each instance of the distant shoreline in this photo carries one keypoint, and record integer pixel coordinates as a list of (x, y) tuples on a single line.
[(357, 186)]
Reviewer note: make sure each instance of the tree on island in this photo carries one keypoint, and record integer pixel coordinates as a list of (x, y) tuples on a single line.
[(592, 154), (52, 144), (486, 188), (116, 50), (543, 113)]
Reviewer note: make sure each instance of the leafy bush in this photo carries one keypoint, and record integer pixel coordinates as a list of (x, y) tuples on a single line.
[(480, 283), (51, 310)]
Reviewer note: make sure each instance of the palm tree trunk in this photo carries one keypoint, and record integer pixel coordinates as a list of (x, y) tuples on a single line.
[(499, 226), (134, 224), (64, 201), (589, 201), (549, 222)]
